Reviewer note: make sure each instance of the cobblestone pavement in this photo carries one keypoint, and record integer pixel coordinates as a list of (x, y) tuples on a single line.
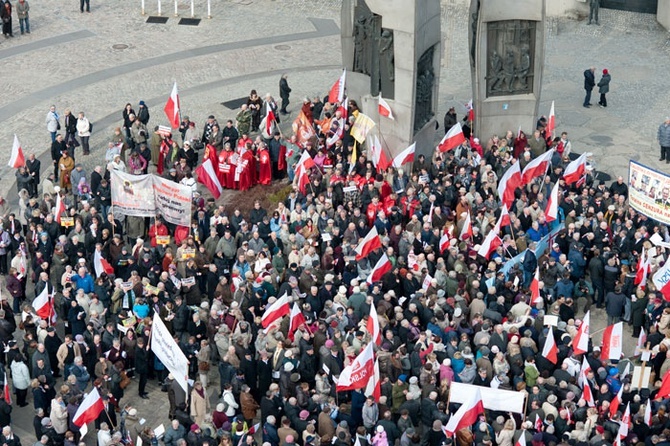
[(99, 61)]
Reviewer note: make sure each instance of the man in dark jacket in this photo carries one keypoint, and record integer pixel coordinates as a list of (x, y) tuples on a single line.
[(614, 305), (142, 367), (589, 83), (284, 92), (57, 148)]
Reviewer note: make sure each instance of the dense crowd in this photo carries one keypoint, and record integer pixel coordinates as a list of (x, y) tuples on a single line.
[(447, 314)]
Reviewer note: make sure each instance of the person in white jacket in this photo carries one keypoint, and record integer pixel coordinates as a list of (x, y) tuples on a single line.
[(104, 436), (52, 122), (228, 400), (58, 415), (84, 132), (20, 379)]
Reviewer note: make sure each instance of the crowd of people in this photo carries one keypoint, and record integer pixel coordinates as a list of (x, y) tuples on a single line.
[(446, 313)]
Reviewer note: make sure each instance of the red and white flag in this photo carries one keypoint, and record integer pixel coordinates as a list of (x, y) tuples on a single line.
[(471, 111), (297, 320), (336, 93), (172, 108), (551, 122), (101, 264), (587, 394), (379, 157), (302, 169), (89, 409), (467, 414), (538, 423), (537, 167), (372, 325), (374, 386), (535, 296), (385, 109), (43, 305), (270, 120), (576, 169), (276, 311), (647, 413), (406, 156), (551, 212), (17, 159), (583, 371), (466, 230), (59, 209), (510, 180), (641, 341), (444, 242), (253, 429), (661, 280), (7, 392), (664, 391), (616, 401), (357, 374), (504, 218), (612, 342), (207, 176), (452, 139), (369, 243), (550, 349), (580, 344), (522, 439), (491, 242), (382, 267), (643, 269)]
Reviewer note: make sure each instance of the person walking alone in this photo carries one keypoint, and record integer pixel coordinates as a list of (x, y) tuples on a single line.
[(604, 87), (594, 8), (664, 140), (84, 131), (589, 83), (284, 92), (22, 9)]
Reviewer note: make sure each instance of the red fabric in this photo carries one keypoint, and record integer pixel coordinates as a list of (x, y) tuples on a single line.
[(157, 230), (372, 211), (221, 166), (210, 153), (265, 173), (246, 180), (162, 153), (281, 163), (181, 234)]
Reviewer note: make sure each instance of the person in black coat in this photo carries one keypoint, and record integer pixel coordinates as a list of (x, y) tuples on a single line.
[(57, 148), (284, 93), (108, 414), (142, 367), (5, 412), (34, 165), (264, 373), (589, 83)]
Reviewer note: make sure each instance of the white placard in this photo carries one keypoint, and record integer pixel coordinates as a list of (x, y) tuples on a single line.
[(550, 319), (169, 353), (493, 399), (159, 431), (635, 380)]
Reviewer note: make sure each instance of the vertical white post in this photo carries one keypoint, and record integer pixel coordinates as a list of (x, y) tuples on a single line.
[(176, 12), (159, 7), (192, 8), (209, 9), (142, 7)]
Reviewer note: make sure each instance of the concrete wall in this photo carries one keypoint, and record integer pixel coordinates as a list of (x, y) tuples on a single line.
[(557, 8), (663, 13)]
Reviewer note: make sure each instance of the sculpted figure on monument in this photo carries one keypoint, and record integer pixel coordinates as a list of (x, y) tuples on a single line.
[(509, 70), (387, 53), (496, 75), (524, 67), (361, 36)]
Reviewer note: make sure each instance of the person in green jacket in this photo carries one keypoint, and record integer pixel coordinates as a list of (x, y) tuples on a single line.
[(244, 120)]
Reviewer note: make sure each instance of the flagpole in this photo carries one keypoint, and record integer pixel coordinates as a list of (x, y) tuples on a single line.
[(159, 7), (143, 7), (176, 4)]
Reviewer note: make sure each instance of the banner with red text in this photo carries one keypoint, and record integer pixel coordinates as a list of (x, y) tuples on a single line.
[(649, 192)]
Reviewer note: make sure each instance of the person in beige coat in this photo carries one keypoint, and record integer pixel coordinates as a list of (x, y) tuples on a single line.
[(62, 354), (58, 414), (506, 435), (199, 403)]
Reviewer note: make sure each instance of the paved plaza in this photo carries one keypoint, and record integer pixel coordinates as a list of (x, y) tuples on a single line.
[(99, 61)]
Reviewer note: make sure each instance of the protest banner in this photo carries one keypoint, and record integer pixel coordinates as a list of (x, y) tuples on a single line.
[(151, 195), (493, 399), (169, 353), (649, 192)]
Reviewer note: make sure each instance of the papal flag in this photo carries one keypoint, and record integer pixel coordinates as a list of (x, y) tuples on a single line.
[(362, 127)]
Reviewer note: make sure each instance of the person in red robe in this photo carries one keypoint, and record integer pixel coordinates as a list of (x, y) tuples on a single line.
[(373, 209), (244, 175), (224, 167), (158, 228), (265, 165), (242, 142), (163, 152)]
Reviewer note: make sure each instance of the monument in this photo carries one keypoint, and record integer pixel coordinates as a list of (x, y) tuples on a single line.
[(373, 33), (507, 57)]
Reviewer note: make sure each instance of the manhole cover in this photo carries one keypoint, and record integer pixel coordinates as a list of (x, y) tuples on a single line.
[(283, 47), (120, 46)]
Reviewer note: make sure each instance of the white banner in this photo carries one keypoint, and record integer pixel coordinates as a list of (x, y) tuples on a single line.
[(493, 399), (151, 195), (169, 353)]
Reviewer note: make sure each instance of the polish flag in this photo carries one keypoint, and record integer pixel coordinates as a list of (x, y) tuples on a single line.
[(467, 228), (504, 217), (382, 267), (551, 212), (276, 311), (373, 325), (491, 242), (510, 180), (612, 342), (297, 320), (374, 387), (253, 429), (551, 122), (385, 109), (467, 414), (471, 111), (101, 264), (208, 177), (664, 391), (535, 288), (337, 90), (444, 243), (302, 167), (522, 439), (370, 243), (406, 156), (580, 344), (536, 168), (17, 159), (661, 280), (641, 341), (7, 393), (538, 423), (172, 108), (587, 394), (453, 138), (647, 413), (584, 370), (43, 305), (575, 170), (59, 209), (89, 409), (357, 374), (270, 120), (643, 269), (616, 401), (550, 349), (379, 158)]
